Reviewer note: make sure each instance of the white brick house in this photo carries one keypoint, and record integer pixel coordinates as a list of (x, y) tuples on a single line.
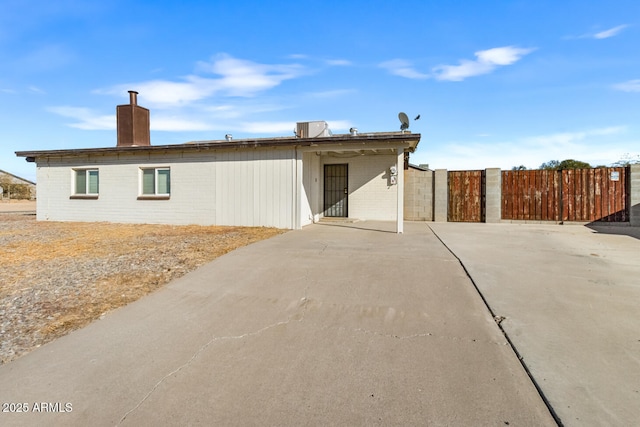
[(284, 182)]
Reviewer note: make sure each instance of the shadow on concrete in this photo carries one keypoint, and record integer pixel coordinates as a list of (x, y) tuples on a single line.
[(619, 229)]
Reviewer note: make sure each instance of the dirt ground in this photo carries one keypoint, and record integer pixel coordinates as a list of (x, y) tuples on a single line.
[(57, 276), (17, 206)]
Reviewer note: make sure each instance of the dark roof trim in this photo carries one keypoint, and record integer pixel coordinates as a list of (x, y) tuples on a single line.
[(345, 140)]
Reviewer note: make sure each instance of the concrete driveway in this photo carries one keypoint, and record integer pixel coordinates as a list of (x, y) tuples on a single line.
[(330, 325), (570, 296)]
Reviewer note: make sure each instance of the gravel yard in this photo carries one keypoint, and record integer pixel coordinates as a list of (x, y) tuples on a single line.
[(57, 277)]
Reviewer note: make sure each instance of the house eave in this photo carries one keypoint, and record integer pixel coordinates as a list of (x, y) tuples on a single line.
[(406, 140)]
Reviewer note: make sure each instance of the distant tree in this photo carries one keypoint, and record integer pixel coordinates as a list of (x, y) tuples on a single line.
[(550, 165), (519, 168), (565, 164), (574, 164)]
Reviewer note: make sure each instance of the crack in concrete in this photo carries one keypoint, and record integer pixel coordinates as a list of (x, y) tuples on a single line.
[(498, 319), (424, 335), (302, 304), (325, 245)]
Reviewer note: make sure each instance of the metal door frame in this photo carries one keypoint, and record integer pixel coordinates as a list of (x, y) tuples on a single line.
[(329, 200)]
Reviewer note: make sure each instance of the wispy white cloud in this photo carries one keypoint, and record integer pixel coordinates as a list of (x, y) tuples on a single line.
[(35, 89), (339, 62), (339, 125), (236, 77), (241, 77), (403, 68), (177, 124), (184, 104), (265, 127), (610, 32), (331, 93), (598, 146), (47, 57), (570, 140), (85, 118), (487, 61), (163, 93), (629, 86)]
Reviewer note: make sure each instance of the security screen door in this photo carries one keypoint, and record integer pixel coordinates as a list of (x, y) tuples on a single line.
[(336, 190)]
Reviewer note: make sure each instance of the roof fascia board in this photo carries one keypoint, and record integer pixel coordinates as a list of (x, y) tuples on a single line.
[(357, 142)]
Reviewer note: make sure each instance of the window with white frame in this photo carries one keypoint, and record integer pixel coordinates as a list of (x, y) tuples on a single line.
[(155, 181), (86, 182)]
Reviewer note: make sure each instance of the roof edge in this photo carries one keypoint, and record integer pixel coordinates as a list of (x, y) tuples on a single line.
[(412, 138)]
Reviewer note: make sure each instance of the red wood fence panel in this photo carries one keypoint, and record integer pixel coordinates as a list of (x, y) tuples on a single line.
[(466, 196), (584, 195), (595, 195), (530, 195)]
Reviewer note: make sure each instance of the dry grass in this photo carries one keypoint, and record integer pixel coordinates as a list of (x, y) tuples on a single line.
[(57, 277)]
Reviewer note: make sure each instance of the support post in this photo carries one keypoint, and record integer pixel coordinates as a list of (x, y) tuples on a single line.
[(493, 195), (441, 195), (400, 190)]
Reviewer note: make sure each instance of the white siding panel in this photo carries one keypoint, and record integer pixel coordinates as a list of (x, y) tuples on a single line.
[(244, 187), (254, 188)]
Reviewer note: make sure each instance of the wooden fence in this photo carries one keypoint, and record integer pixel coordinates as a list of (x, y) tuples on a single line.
[(466, 196), (584, 195)]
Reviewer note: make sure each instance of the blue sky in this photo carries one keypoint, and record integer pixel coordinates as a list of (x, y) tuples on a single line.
[(496, 83)]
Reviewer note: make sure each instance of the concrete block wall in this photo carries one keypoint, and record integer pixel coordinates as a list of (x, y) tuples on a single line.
[(418, 195), (493, 195), (441, 195), (634, 202), (433, 186)]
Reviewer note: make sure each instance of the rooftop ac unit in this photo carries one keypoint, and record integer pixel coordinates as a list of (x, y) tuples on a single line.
[(312, 129)]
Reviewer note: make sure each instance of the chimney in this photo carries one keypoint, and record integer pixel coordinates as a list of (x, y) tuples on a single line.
[(133, 123)]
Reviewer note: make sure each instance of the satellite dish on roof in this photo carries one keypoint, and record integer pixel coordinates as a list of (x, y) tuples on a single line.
[(404, 120)]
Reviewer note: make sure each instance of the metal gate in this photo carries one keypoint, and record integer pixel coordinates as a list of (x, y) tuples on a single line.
[(466, 196), (336, 190), (583, 195)]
